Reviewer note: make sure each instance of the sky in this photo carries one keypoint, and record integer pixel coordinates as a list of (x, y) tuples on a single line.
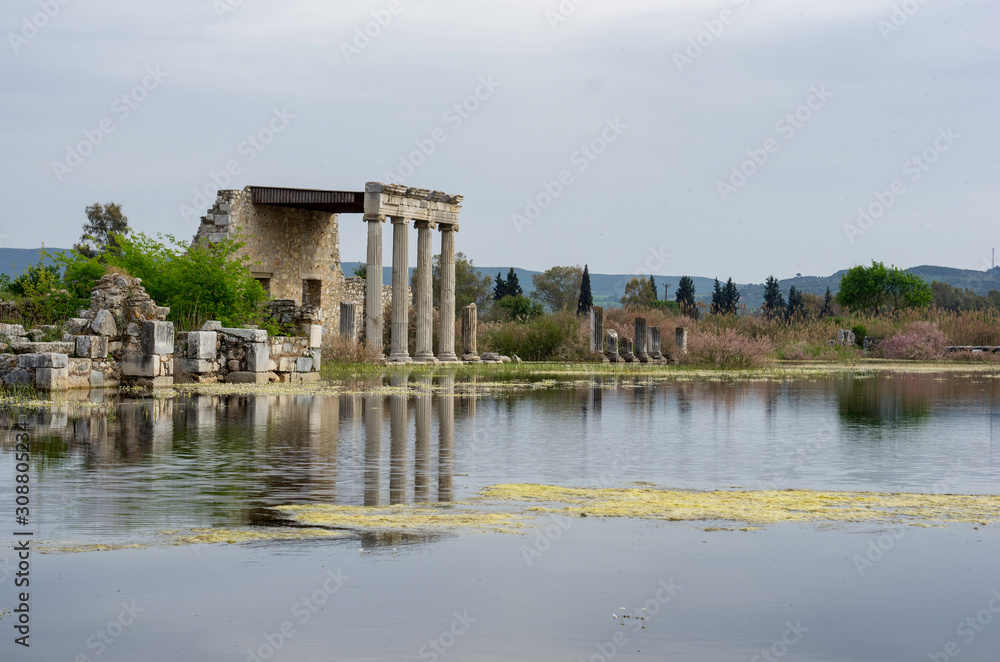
[(740, 138)]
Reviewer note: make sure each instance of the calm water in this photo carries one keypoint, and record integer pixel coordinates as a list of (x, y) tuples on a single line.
[(210, 460)]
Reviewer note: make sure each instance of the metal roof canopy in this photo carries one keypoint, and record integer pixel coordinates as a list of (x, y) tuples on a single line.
[(335, 202)]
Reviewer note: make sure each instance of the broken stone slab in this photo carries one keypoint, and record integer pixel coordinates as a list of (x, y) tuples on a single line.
[(285, 364), (17, 378), (314, 333), (91, 347), (681, 339), (303, 364), (251, 377), (12, 330), (304, 377), (317, 359), (504, 359), (249, 335), (611, 346), (258, 356), (162, 312), (136, 364), (104, 324), (43, 348), (212, 325), (157, 337), (47, 360), (490, 356), (52, 379), (193, 366), (201, 344), (155, 382)]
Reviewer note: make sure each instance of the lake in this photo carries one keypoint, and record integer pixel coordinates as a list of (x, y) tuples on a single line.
[(141, 475)]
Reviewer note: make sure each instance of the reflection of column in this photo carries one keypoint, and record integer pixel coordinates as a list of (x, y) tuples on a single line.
[(425, 294), (446, 336), (446, 438), (373, 283), (397, 446), (422, 464), (373, 448), (400, 291)]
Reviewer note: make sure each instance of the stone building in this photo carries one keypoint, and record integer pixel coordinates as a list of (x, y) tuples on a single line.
[(292, 240)]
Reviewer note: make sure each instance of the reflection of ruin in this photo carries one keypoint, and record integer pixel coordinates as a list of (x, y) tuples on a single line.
[(885, 399), (292, 241)]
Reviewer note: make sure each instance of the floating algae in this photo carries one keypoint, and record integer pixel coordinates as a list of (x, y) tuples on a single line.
[(756, 507), (367, 518), (208, 536)]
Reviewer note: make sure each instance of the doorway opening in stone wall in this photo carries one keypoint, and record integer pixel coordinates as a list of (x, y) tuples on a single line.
[(312, 291)]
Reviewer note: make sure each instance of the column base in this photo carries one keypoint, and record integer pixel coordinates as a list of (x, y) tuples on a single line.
[(424, 358), (470, 358), (447, 358), (400, 358)]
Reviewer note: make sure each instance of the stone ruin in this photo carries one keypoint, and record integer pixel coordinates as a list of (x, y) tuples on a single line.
[(645, 346)]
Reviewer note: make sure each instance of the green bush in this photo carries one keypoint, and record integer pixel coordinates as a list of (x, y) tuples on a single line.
[(860, 332), (519, 308), (541, 338)]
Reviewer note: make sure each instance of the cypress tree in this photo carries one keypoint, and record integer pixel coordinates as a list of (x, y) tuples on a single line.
[(718, 298), (586, 301), (513, 286), (774, 301), (499, 288), (652, 286), (685, 296)]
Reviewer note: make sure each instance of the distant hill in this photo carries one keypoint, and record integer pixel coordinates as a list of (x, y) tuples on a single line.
[(14, 261)]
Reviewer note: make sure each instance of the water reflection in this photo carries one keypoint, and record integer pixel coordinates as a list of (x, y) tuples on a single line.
[(889, 399)]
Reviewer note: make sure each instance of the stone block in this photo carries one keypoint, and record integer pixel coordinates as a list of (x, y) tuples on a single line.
[(201, 345), (314, 333), (250, 377), (258, 356), (193, 366), (303, 377), (162, 312), (52, 379), (303, 364), (286, 364), (212, 325), (75, 326), (490, 356), (216, 237), (155, 382), (249, 335), (12, 330), (104, 324), (317, 357), (79, 367), (91, 347), (157, 337), (96, 379), (135, 364), (221, 219), (17, 378), (43, 348), (43, 361)]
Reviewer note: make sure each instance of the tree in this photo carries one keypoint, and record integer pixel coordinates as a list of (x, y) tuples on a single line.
[(558, 288), (470, 285), (731, 297), (519, 308), (774, 300), (718, 299), (795, 303), (652, 286), (513, 285), (586, 301), (361, 270), (104, 224), (637, 294), (827, 310), (685, 296), (874, 288), (499, 288)]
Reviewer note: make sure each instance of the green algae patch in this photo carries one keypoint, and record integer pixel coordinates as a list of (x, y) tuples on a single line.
[(403, 517), (755, 507), (204, 536)]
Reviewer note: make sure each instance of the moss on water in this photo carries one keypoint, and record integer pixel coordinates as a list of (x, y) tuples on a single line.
[(365, 518), (755, 507), (205, 536)]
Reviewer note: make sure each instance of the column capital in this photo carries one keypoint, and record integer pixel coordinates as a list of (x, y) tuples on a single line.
[(370, 218), (422, 224), (403, 220), (449, 227)]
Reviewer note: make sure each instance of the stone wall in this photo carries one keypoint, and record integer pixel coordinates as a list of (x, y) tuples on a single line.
[(286, 246)]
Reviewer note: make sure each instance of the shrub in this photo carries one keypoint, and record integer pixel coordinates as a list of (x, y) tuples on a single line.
[(337, 349), (860, 332), (728, 349), (922, 341), (541, 338)]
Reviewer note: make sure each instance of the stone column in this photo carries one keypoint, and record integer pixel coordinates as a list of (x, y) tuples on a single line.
[(681, 334), (348, 329), (596, 328), (470, 320), (641, 340), (425, 295), (446, 336), (446, 438), (373, 283), (400, 290), (398, 438), (655, 352), (611, 347), (627, 350), (373, 449)]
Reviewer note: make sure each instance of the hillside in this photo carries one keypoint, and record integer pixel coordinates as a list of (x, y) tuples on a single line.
[(14, 261)]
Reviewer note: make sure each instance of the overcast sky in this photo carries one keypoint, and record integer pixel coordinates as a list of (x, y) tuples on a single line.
[(727, 138)]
